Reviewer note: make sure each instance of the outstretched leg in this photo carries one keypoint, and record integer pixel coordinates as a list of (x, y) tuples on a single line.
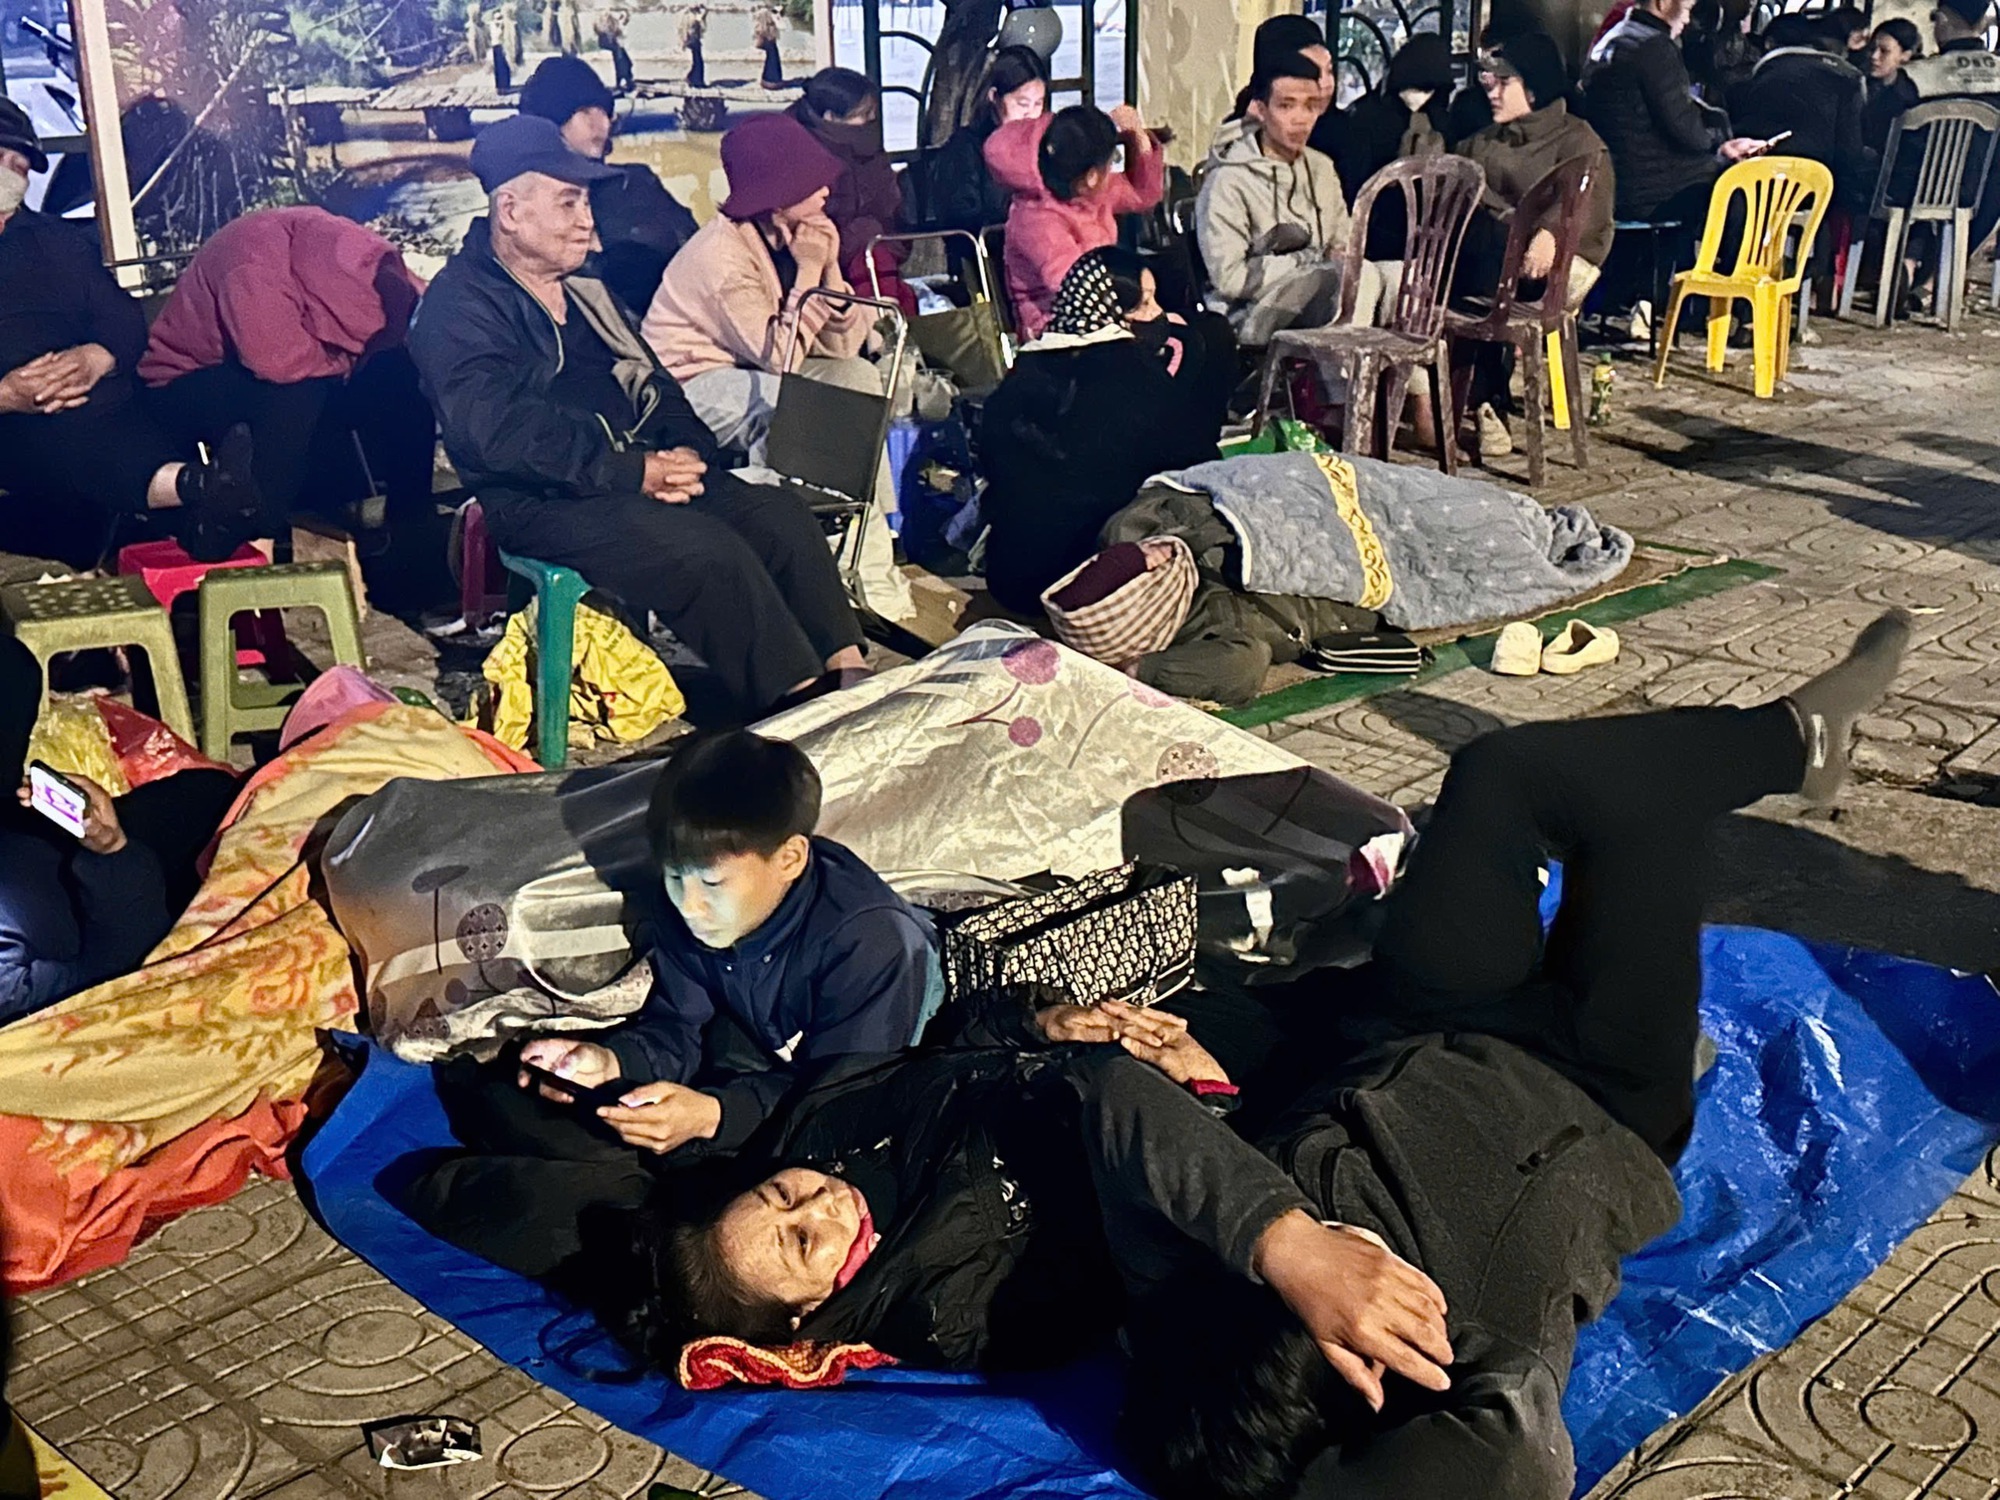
[(1627, 804)]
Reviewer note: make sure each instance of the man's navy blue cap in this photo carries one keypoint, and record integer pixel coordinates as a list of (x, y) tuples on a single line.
[(527, 143)]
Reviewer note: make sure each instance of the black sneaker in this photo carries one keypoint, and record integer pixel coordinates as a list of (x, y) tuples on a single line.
[(221, 497)]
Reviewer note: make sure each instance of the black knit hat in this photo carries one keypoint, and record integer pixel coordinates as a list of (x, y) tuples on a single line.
[(1534, 58), (1972, 12), (561, 87), (1423, 62), (17, 133), (1282, 36)]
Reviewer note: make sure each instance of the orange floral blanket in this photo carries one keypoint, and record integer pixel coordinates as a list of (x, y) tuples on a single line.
[(161, 1090)]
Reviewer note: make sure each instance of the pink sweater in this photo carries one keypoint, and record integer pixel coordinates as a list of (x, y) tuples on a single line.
[(720, 306), (1045, 234), (291, 293)]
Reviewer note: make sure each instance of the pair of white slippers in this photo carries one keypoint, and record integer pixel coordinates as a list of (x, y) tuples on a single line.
[(1520, 653)]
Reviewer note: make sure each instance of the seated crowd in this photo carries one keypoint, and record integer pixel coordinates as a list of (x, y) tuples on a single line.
[(1296, 1249)]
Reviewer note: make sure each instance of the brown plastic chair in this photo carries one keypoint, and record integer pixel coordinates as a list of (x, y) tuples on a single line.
[(1440, 194), (1561, 196)]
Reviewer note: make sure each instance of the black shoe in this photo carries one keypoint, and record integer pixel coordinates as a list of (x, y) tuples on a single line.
[(221, 497)]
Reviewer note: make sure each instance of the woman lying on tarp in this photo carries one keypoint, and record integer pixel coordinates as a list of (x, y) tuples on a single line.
[(1379, 1298)]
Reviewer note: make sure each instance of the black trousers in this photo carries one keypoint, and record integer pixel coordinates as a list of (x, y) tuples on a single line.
[(1628, 805), (73, 476), (175, 817), (525, 1192), (303, 433), (742, 575)]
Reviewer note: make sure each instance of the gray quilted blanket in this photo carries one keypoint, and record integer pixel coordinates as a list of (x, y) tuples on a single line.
[(1458, 550)]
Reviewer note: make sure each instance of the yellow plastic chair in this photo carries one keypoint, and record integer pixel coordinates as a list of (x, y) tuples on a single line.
[(1783, 195)]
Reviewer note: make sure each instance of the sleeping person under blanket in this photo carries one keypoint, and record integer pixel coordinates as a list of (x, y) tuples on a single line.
[(1378, 1297)]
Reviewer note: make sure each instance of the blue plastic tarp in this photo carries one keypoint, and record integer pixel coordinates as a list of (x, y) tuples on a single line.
[(1852, 1095)]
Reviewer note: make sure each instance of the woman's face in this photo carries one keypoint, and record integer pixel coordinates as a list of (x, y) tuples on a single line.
[(1028, 102), (1149, 300), (789, 219), (787, 1239), (1887, 59)]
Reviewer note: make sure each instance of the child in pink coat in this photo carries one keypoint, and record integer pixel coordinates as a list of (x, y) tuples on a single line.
[(1066, 197)]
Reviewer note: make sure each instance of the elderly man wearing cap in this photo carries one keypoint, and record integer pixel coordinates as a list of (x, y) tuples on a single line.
[(722, 321), (640, 225), (585, 453), (79, 454)]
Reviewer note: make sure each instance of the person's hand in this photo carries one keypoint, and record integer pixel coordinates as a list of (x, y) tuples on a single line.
[(19, 385), (1368, 1309), (586, 1062), (1540, 256), (816, 247), (1741, 148), (102, 832), (1126, 118), (71, 374), (1110, 1022), (1180, 1057), (659, 1117), (674, 476)]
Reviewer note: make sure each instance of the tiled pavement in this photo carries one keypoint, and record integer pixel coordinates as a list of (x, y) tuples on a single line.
[(237, 1353)]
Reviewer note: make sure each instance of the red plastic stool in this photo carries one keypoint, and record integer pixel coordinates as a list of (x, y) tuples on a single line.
[(168, 572)]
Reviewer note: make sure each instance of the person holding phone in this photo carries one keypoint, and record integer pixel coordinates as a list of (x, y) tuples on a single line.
[(1805, 99), (84, 899)]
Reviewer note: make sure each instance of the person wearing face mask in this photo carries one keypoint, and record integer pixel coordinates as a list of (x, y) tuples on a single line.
[(843, 110), (586, 454), (962, 193), (1532, 133), (1086, 414), (720, 321), (84, 461), (1667, 147), (640, 224), (1272, 216), (1405, 116)]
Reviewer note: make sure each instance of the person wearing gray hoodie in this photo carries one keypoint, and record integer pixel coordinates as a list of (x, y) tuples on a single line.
[(1272, 220)]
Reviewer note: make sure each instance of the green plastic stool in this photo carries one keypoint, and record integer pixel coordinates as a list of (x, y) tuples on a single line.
[(558, 591), (230, 706), (51, 618)]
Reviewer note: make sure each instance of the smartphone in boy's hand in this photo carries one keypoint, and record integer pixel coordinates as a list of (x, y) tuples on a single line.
[(589, 1098)]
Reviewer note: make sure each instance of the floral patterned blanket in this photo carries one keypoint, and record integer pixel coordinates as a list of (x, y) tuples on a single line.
[(160, 1090)]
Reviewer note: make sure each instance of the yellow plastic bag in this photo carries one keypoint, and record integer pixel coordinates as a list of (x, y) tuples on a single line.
[(70, 737), (619, 691)]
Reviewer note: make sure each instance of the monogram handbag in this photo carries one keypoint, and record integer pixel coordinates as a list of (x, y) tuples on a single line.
[(1121, 934)]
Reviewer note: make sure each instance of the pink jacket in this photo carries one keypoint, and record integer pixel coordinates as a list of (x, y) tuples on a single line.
[(720, 306), (291, 293), (1045, 235)]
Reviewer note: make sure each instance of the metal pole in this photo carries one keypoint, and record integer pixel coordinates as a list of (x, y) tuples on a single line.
[(1132, 51), (871, 39), (1088, 42)]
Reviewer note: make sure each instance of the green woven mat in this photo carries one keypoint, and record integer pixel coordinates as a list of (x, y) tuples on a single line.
[(1477, 651)]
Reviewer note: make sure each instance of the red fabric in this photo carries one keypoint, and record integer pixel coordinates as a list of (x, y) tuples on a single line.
[(1201, 1088), (708, 1364), (67, 1221), (146, 749), (1045, 234), (1612, 17), (292, 293)]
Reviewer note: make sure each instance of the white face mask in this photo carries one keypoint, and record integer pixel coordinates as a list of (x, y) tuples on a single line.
[(1415, 99), (13, 190)]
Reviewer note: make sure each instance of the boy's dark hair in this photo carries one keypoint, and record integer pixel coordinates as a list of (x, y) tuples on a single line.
[(834, 93), (1228, 1397), (732, 793), (1291, 65), (1078, 140), (1849, 18), (1904, 34), (1011, 68)]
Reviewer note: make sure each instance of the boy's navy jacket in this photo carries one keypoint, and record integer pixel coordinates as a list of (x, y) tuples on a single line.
[(843, 965)]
